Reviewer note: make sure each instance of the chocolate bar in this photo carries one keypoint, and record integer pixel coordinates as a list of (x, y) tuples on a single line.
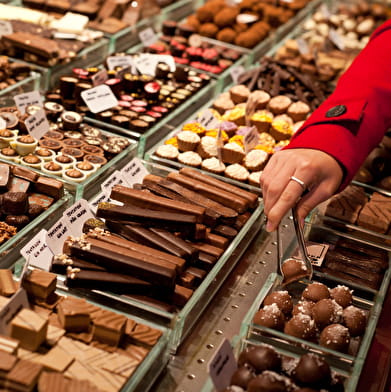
[(209, 249), (61, 262), (49, 186), (167, 220), (119, 259), (24, 173), (181, 295), (226, 231), (149, 201), (7, 283), (216, 240)]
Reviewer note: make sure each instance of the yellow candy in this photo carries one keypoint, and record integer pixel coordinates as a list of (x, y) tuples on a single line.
[(172, 141), (193, 127)]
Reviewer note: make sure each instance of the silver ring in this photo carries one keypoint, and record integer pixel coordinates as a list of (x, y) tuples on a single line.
[(301, 183)]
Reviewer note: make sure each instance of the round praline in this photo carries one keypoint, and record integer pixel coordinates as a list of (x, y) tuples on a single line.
[(282, 299), (312, 370), (316, 291), (293, 270), (301, 326), (270, 316), (242, 376), (335, 337), (262, 357), (355, 320), (342, 295), (326, 311)]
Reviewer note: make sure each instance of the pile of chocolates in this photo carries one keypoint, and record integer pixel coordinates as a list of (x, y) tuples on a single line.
[(24, 195), (12, 72), (261, 368), (177, 40), (143, 100), (318, 314), (71, 149), (244, 24), (67, 343), (159, 245)]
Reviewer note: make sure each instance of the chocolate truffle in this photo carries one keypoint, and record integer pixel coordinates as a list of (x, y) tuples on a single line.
[(326, 311), (312, 370), (342, 295), (315, 292), (301, 326), (303, 307), (269, 381), (242, 376), (282, 299), (270, 316), (335, 337), (15, 203), (355, 320), (260, 358), (293, 270)]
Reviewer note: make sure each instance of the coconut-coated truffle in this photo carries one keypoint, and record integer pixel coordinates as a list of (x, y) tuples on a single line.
[(282, 299)]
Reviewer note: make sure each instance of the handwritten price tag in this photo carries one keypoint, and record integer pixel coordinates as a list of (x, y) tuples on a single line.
[(236, 73), (75, 216), (251, 139), (134, 172), (56, 235), (99, 98), (148, 36), (115, 179), (303, 46), (207, 119), (119, 61), (37, 124), (38, 252), (100, 198), (100, 77), (27, 99)]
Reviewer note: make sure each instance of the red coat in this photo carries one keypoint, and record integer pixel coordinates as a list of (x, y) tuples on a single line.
[(354, 119)]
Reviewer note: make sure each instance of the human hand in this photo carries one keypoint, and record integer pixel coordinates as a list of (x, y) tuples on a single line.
[(319, 171)]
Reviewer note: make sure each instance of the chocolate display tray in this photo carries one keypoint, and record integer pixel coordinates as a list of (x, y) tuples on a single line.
[(162, 128), (9, 251), (91, 185), (181, 322), (26, 85)]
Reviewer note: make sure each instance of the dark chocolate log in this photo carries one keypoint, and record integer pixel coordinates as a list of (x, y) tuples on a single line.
[(209, 249), (198, 273), (103, 280), (242, 219), (117, 258), (171, 221), (226, 231), (205, 261), (62, 262), (149, 201), (24, 173), (187, 280), (181, 296), (49, 186), (178, 262), (226, 198), (216, 240), (192, 197), (146, 237)]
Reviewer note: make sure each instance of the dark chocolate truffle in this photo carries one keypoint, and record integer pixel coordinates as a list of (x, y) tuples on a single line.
[(326, 311), (269, 381), (335, 337), (303, 307), (342, 295), (301, 326), (242, 376), (316, 291), (261, 358), (15, 203), (293, 270), (312, 370), (270, 316), (282, 299), (355, 320)]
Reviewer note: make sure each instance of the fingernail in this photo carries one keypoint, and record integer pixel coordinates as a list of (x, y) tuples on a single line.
[(269, 226)]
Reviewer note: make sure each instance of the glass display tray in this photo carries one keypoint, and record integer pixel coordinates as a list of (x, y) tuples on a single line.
[(31, 83), (372, 237), (90, 56), (182, 321), (9, 251), (91, 185), (224, 78), (162, 128)]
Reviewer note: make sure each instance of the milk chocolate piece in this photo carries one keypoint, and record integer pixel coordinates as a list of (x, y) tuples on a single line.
[(56, 359), (29, 328), (162, 219), (24, 376), (109, 327), (209, 249), (141, 199), (4, 176), (217, 194), (187, 280), (18, 185), (103, 280), (7, 362), (73, 314), (206, 261), (181, 295), (199, 274), (7, 283), (216, 240), (8, 345), (39, 284), (50, 187), (14, 203), (376, 214), (226, 231), (251, 197), (40, 199), (145, 335), (119, 259)]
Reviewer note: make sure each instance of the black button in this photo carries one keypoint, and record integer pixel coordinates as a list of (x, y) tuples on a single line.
[(336, 111)]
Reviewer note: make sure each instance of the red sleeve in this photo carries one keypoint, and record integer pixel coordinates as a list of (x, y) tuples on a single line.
[(353, 120)]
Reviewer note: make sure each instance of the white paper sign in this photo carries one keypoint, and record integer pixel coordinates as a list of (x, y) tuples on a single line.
[(119, 61), (336, 39), (302, 46), (56, 236), (100, 198), (99, 98), (5, 27), (325, 11), (207, 119), (38, 252), (16, 303), (75, 216), (222, 366), (37, 124), (115, 179), (100, 77), (146, 65), (251, 139), (3, 123), (148, 36), (236, 73), (27, 99), (134, 172)]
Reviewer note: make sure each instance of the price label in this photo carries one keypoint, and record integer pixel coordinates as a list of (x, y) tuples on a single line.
[(120, 74), (75, 216), (99, 98), (114, 62), (5, 27), (15, 304), (146, 63), (336, 39), (222, 366), (100, 77), (3, 124), (207, 119), (27, 99), (303, 46), (100, 198), (134, 172), (325, 11), (37, 124), (148, 36), (251, 139), (56, 236), (115, 179), (38, 252), (236, 73)]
